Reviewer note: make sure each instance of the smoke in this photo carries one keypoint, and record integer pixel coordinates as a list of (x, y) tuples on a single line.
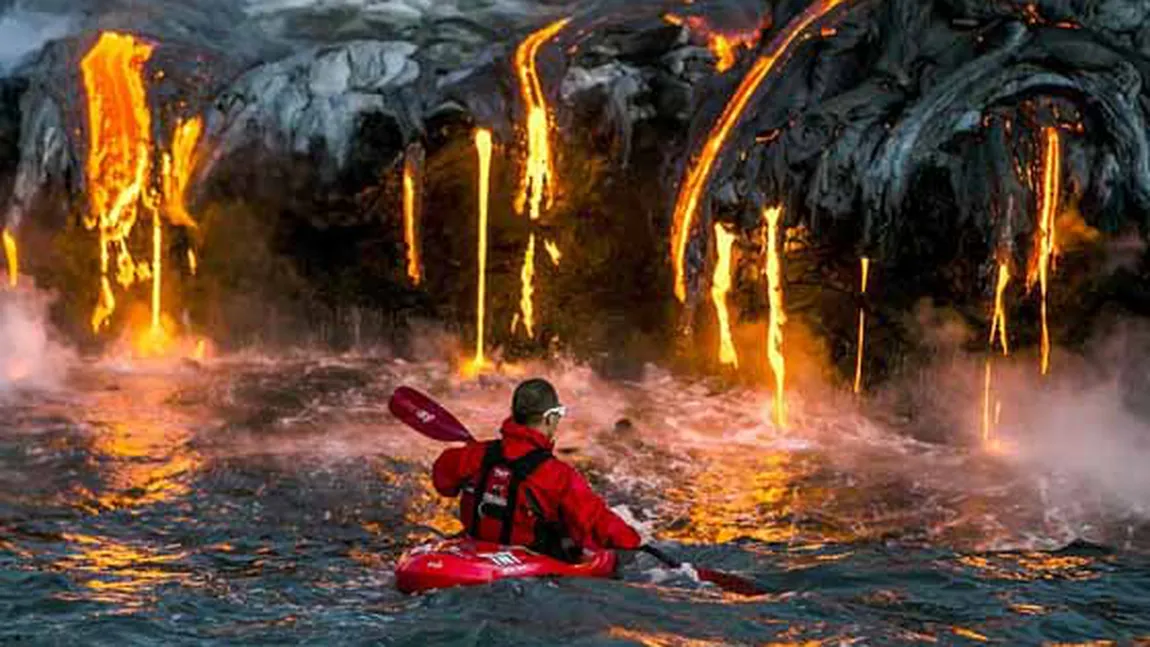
[(1082, 430), (30, 356), (1072, 445)]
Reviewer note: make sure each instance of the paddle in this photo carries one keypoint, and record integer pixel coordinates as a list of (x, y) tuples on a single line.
[(426, 416), (726, 581), (429, 418)]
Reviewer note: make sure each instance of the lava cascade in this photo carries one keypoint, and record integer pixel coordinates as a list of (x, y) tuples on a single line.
[(699, 169)]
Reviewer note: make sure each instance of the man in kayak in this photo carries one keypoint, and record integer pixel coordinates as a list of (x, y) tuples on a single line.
[(515, 492)]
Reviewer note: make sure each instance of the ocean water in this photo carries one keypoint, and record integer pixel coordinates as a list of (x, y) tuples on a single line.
[(261, 500)]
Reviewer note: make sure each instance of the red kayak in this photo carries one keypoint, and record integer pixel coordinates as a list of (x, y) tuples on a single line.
[(466, 562)]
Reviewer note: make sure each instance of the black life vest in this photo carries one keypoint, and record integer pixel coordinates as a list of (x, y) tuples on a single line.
[(496, 497)]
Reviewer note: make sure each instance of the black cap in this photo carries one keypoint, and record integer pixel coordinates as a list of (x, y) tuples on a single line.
[(532, 398)]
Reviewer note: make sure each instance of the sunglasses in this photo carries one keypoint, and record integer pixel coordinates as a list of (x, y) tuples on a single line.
[(558, 411)]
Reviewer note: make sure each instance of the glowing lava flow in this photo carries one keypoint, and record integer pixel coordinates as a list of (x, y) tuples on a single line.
[(410, 214), (536, 189), (483, 149), (178, 167), (723, 46), (13, 258), (865, 262), (699, 171), (720, 286), (193, 265), (998, 322), (553, 251), (777, 316), (997, 327), (527, 274), (119, 153), (1051, 192), (157, 270)]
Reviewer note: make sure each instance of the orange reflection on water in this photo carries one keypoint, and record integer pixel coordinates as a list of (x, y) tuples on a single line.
[(143, 454), (660, 639), (118, 572), (426, 508), (1031, 566), (738, 496)]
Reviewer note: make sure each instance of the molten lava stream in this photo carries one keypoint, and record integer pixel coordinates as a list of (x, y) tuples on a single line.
[(527, 275), (1045, 245), (777, 315), (13, 258), (699, 170), (178, 166), (157, 271), (997, 327), (411, 167), (536, 189), (483, 150), (865, 262), (119, 153), (720, 286)]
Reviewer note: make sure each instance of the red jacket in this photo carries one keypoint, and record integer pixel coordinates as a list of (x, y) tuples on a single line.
[(563, 494)]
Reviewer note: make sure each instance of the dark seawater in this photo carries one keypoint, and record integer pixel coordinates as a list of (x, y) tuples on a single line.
[(258, 501)]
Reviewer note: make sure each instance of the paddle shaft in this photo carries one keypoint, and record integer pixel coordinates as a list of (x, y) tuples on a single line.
[(661, 556)]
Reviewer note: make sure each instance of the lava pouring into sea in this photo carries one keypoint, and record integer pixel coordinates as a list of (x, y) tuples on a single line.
[(864, 262), (997, 329), (119, 155), (119, 173), (720, 286), (13, 257), (482, 139), (777, 316), (700, 168), (1045, 245)]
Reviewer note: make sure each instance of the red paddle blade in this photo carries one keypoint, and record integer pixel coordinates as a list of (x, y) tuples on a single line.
[(424, 415), (728, 582)]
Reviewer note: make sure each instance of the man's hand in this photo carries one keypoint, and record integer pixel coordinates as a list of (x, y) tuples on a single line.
[(644, 529)]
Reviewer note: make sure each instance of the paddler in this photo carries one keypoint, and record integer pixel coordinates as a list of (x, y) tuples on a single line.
[(527, 496)]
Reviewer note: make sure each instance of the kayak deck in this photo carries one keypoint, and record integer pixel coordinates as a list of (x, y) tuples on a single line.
[(467, 562)]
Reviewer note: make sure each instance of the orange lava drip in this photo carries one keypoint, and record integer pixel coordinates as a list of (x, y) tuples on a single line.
[(777, 315), (13, 258), (1045, 245), (720, 286), (483, 150), (411, 241), (865, 262)]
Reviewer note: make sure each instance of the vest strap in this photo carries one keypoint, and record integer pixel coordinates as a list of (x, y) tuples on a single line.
[(520, 468)]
